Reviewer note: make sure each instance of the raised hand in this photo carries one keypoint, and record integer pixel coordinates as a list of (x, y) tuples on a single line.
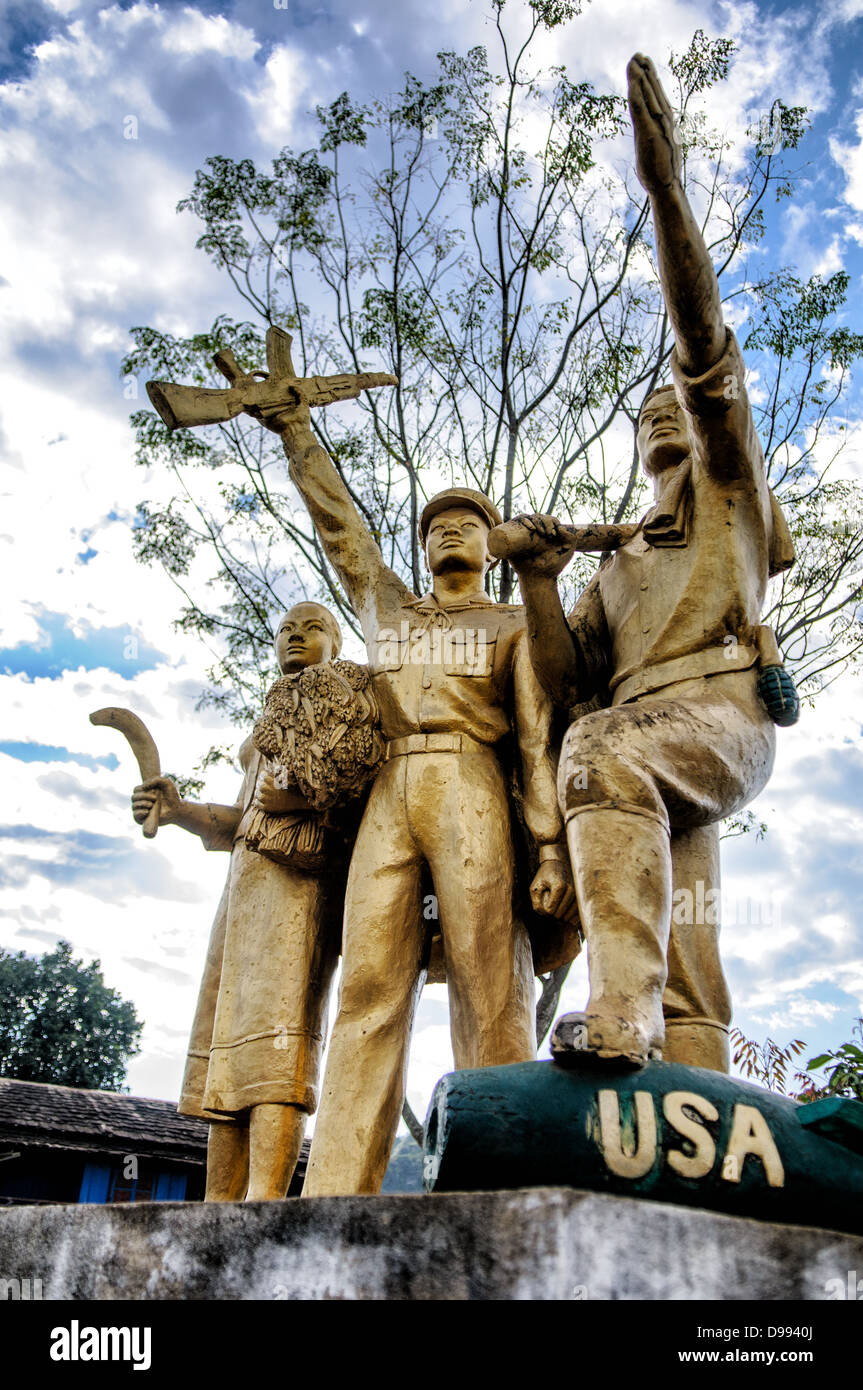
[(658, 160), (284, 420)]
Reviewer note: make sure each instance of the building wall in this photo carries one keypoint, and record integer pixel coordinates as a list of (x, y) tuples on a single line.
[(58, 1175)]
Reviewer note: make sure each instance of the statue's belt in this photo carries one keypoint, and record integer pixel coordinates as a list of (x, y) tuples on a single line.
[(710, 661), (434, 743)]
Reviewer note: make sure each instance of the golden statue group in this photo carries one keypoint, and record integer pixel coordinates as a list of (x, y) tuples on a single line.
[(684, 685)]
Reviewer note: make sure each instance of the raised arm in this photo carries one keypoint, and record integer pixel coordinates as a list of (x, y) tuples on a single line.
[(706, 363), (689, 282), (347, 541), (552, 650)]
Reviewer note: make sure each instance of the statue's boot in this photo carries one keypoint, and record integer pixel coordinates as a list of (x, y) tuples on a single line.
[(621, 865), (697, 1044)]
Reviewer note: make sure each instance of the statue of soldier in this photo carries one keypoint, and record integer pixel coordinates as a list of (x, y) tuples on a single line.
[(669, 629), (453, 677)]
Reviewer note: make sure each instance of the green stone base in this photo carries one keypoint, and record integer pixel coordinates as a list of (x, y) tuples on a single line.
[(666, 1132)]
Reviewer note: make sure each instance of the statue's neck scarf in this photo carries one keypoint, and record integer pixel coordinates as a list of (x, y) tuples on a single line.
[(667, 523)]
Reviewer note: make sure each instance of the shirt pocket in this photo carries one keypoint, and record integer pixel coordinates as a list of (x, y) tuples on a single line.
[(389, 652), (470, 654)]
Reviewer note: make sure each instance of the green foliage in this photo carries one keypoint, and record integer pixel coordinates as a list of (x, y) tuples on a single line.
[(793, 316), (773, 1066), (767, 1063), (844, 1069), (59, 1022), (472, 236), (188, 787), (552, 13), (743, 823), (702, 65), (345, 124)]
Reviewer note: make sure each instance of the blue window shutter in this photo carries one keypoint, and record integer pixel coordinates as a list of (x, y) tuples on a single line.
[(95, 1183), (170, 1187)]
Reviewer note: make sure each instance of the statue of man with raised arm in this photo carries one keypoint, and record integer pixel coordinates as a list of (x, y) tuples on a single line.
[(668, 630), (453, 679)]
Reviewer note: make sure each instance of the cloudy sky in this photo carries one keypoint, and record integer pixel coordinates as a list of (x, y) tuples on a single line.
[(91, 245)]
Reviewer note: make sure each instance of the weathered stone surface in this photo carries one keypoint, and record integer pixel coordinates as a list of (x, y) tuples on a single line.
[(545, 1244)]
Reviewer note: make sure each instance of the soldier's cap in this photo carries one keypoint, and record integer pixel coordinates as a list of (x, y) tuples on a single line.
[(458, 497)]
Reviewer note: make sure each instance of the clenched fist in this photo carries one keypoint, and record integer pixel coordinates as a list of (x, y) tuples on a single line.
[(535, 545), (277, 800), (552, 892), (145, 796)]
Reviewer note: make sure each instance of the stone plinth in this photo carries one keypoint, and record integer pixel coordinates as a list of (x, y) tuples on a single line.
[(543, 1244)]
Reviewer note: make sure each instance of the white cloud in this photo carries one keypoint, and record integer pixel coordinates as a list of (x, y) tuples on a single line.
[(844, 11), (198, 33), (275, 100), (849, 157)]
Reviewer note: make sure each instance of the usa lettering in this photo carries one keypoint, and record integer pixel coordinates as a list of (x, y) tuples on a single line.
[(630, 1150)]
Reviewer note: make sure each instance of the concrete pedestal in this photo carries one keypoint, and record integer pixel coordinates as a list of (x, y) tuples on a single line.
[(542, 1244)]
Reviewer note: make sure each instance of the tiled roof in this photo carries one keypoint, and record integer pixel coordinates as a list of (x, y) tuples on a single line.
[(34, 1113)]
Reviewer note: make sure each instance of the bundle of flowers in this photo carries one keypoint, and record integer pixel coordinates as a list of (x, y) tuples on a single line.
[(321, 730)]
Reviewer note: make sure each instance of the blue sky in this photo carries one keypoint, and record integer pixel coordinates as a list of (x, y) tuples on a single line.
[(90, 246)]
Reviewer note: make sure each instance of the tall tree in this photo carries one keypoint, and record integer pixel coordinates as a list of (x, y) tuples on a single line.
[(483, 237), (60, 1022)]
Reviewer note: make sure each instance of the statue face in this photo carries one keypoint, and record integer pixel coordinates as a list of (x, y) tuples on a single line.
[(662, 437), (457, 539), (303, 638)]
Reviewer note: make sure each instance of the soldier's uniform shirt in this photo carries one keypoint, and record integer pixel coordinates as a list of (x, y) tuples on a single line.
[(657, 614)]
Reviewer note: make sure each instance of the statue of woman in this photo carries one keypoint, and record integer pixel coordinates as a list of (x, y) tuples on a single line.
[(254, 1053)]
